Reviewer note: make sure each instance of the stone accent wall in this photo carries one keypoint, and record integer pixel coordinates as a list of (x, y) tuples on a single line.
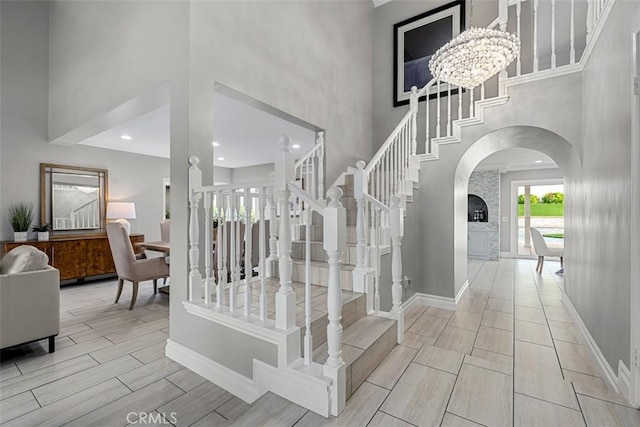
[(486, 184)]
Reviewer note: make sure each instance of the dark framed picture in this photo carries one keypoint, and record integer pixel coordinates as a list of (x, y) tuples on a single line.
[(415, 40)]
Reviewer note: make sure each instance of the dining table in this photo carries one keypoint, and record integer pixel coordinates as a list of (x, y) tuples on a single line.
[(158, 246)]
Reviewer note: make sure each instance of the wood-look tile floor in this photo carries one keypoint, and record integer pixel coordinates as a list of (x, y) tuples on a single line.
[(508, 355)]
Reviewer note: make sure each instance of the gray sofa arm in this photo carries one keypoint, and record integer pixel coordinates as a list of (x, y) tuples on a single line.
[(29, 306)]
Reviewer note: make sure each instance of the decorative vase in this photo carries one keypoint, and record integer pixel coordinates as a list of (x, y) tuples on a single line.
[(43, 235), (20, 236)]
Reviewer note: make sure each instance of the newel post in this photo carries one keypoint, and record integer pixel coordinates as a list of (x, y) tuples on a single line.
[(396, 231), (285, 297), (359, 188), (195, 278), (414, 162), (335, 227)]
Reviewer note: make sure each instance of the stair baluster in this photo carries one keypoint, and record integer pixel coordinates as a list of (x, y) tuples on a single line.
[(335, 218), (320, 154), (248, 250), (195, 278), (396, 230), (308, 339), (221, 249), (273, 230), (234, 233), (208, 249), (285, 297), (262, 268)]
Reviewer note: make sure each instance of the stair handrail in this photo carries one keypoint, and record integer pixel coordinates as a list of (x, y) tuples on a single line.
[(309, 169), (375, 160), (316, 205), (377, 204)]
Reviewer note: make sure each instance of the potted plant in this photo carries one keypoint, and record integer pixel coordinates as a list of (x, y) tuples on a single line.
[(42, 230), (21, 215)]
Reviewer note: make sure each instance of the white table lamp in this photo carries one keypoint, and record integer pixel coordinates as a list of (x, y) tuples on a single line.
[(121, 211)]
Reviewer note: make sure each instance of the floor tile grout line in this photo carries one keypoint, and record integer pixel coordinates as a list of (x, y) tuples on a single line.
[(5, 421), (450, 394), (513, 361), (390, 391), (555, 349), (573, 387), (547, 401), (392, 416)]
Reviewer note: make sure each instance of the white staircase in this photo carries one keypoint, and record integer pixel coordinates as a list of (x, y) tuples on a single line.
[(314, 288)]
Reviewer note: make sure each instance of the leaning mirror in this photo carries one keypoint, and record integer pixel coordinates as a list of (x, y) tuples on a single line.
[(73, 198)]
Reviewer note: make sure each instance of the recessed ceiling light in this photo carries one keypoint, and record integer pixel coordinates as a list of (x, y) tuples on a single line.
[(538, 161), (296, 146), (127, 137), (220, 158), (215, 144)]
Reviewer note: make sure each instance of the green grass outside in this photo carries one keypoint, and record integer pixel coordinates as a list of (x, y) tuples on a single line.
[(554, 235), (544, 209)]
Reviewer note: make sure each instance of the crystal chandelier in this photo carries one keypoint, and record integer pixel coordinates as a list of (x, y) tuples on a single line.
[(473, 56)]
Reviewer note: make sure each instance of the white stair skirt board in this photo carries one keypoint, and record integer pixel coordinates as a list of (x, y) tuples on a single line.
[(430, 300), (233, 382), (307, 389), (303, 385), (618, 383), (624, 379), (287, 342)]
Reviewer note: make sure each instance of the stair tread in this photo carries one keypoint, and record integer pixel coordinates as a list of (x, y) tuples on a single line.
[(366, 330), (343, 266), (317, 242)]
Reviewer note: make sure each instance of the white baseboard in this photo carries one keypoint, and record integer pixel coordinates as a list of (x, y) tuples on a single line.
[(462, 290), (624, 379), (507, 255), (305, 386), (430, 300), (606, 372), (222, 376)]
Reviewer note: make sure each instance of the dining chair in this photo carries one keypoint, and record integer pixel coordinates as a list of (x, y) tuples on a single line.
[(128, 267), (541, 249)]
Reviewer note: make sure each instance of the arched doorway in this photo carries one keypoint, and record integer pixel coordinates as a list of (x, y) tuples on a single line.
[(542, 140)]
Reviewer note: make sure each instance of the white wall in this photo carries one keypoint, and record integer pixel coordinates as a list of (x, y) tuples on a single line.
[(252, 173), (106, 53), (599, 268), (25, 53), (385, 115)]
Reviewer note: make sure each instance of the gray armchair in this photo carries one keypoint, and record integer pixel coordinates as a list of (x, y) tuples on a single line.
[(128, 267), (29, 298)]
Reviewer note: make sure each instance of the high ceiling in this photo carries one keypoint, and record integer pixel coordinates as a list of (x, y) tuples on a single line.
[(246, 135)]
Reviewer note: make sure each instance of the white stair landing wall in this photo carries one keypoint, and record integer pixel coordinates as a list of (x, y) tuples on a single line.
[(282, 371)]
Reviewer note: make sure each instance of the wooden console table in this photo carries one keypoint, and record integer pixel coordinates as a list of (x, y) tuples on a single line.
[(77, 257)]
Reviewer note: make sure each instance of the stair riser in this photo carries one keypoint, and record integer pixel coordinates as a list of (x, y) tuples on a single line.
[(351, 312), (318, 230), (368, 361), (320, 275), (298, 251), (347, 190)]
